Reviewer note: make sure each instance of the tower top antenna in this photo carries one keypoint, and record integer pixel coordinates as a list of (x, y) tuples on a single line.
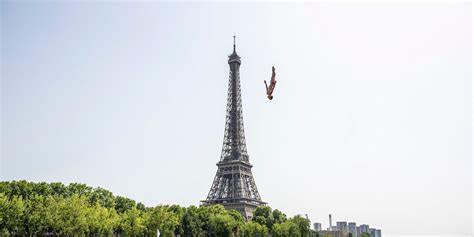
[(234, 42)]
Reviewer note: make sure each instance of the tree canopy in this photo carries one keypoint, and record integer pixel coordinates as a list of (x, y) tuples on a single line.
[(28, 208)]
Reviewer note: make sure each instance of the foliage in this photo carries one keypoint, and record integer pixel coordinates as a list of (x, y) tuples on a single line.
[(278, 216), (365, 234), (302, 223), (132, 222), (191, 222), (254, 229), (123, 204), (55, 209), (313, 233), (164, 219), (103, 197), (221, 225), (102, 220), (264, 216), (286, 229), (11, 214)]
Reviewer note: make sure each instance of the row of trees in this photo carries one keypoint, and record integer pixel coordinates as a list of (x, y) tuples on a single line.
[(28, 208)]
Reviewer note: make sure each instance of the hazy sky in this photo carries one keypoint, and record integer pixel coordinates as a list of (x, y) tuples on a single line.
[(371, 119)]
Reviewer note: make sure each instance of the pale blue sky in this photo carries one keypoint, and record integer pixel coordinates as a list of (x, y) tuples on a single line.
[(371, 119)]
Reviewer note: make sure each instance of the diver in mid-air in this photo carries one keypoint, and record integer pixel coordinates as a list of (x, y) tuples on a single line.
[(272, 85)]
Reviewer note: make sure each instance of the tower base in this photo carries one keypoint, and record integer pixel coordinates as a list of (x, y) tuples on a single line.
[(244, 206)]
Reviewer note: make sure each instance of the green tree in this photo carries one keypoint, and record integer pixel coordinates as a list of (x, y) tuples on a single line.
[(20, 188), (33, 209), (58, 189), (264, 216), (141, 206), (313, 233), (71, 213), (42, 189), (222, 225), (123, 204), (179, 212), (286, 229), (162, 218), (79, 189), (254, 229), (206, 212), (37, 215), (278, 216), (302, 223), (192, 223), (101, 220), (239, 220), (132, 222), (11, 214), (365, 234), (103, 197)]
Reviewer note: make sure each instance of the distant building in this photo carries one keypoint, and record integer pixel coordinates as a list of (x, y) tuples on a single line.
[(342, 226), (352, 228), (375, 233), (372, 232), (346, 229), (364, 229), (330, 222), (317, 226)]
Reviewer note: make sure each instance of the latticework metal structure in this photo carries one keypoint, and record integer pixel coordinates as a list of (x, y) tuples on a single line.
[(234, 186)]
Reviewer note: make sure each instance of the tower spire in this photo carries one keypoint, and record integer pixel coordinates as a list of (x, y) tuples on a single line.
[(234, 42)]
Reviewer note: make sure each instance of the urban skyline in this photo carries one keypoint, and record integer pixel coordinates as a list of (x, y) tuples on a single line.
[(343, 228)]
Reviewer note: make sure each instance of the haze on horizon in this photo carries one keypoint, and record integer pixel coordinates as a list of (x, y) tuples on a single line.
[(370, 121)]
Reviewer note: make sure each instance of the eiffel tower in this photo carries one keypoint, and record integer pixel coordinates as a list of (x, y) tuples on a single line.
[(234, 186)]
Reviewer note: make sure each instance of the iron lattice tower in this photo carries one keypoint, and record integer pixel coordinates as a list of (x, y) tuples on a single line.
[(234, 186)]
